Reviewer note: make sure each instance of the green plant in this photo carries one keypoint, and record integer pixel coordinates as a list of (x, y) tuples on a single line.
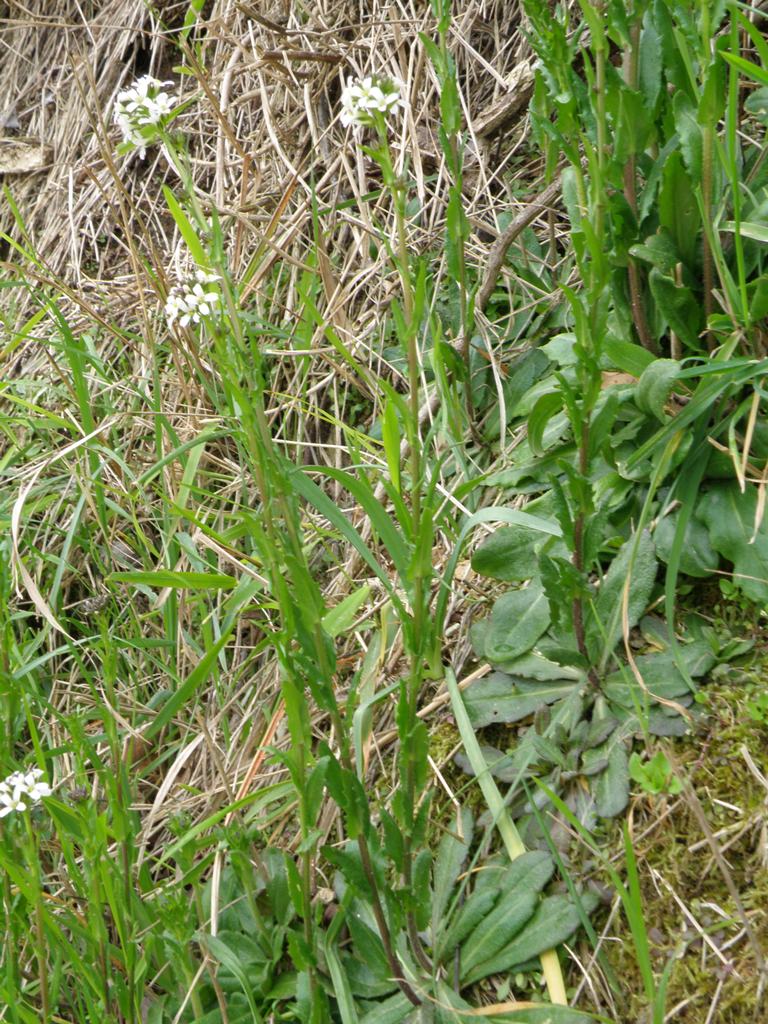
[(655, 775), (637, 471)]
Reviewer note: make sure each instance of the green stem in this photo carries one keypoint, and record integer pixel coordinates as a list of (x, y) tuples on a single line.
[(418, 582), (33, 861), (634, 274), (707, 176)]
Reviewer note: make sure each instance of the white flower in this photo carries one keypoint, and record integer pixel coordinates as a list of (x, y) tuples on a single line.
[(362, 100), (141, 110), (19, 787), (193, 300)]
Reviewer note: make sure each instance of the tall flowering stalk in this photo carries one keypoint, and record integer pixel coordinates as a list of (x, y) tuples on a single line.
[(371, 103)]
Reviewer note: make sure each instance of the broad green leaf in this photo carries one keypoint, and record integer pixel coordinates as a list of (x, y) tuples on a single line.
[(508, 554), (367, 945), (341, 984), (501, 698), (535, 666), (677, 306), (497, 927), (713, 95), (229, 958), (660, 674), (474, 909), (658, 250), (626, 356), (634, 124), (612, 786), (635, 565), (176, 580), (757, 104), (697, 556), (731, 518), (544, 426), (554, 921), (689, 132), (677, 208), (650, 63), (363, 981), (517, 621), (654, 387), (503, 821), (522, 883), (391, 1011)]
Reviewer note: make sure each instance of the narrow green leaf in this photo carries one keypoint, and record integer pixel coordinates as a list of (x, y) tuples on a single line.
[(193, 681), (341, 617), (176, 580), (184, 225)]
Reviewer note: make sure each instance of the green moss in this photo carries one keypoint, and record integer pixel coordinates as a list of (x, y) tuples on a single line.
[(676, 863)]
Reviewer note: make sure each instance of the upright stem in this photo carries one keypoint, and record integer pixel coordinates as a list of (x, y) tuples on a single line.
[(634, 277), (707, 173), (418, 582), (33, 860), (707, 178)]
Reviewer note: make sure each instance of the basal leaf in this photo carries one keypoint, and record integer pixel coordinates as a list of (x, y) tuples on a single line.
[(517, 621), (554, 921), (535, 666), (636, 563), (731, 518), (497, 928), (626, 356), (501, 698), (475, 908), (392, 1011), (451, 854), (697, 556), (508, 554), (611, 788)]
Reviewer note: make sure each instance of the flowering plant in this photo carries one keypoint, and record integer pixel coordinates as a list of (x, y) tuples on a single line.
[(192, 300), (368, 101), (22, 789), (141, 110)]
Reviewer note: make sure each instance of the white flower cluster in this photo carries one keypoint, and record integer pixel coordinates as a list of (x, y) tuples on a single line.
[(364, 99), (22, 789), (140, 110), (193, 300)]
